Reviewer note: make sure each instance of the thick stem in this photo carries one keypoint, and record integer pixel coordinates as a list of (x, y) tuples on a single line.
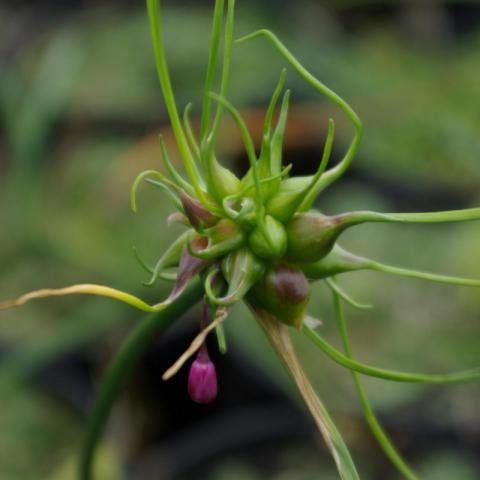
[(122, 365)]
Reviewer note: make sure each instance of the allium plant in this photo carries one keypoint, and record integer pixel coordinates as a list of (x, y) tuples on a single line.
[(256, 239)]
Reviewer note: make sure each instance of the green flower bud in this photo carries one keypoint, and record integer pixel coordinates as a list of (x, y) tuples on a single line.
[(225, 229), (287, 200), (223, 238), (242, 270), (284, 292), (311, 236), (269, 241), (220, 180), (241, 264), (242, 211)]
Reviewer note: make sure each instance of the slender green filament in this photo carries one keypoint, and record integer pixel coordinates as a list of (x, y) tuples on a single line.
[(212, 64), (227, 54), (175, 176), (338, 357), (250, 148), (336, 172), (345, 296), (377, 430), (162, 182), (165, 83), (189, 131), (432, 277)]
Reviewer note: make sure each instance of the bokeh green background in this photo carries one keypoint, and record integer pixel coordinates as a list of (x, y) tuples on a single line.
[(80, 113)]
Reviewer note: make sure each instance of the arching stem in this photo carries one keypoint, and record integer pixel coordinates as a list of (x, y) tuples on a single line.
[(121, 366), (333, 174), (465, 376), (338, 291)]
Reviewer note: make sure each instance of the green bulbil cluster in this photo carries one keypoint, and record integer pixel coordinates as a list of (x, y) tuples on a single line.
[(259, 232), (256, 238)]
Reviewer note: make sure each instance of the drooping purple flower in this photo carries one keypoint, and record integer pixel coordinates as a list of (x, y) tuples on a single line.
[(202, 379)]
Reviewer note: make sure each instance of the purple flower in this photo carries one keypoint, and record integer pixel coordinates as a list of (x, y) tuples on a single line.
[(202, 379)]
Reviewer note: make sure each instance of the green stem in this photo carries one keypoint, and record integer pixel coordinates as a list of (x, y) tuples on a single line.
[(278, 135), (345, 296), (164, 183), (377, 430), (431, 277), (122, 365), (340, 261), (310, 194), (227, 54), (221, 339), (164, 77), (175, 176), (212, 64), (395, 376), (267, 126), (450, 216), (189, 131)]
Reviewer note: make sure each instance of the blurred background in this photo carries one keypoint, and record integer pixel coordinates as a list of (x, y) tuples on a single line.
[(80, 114)]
